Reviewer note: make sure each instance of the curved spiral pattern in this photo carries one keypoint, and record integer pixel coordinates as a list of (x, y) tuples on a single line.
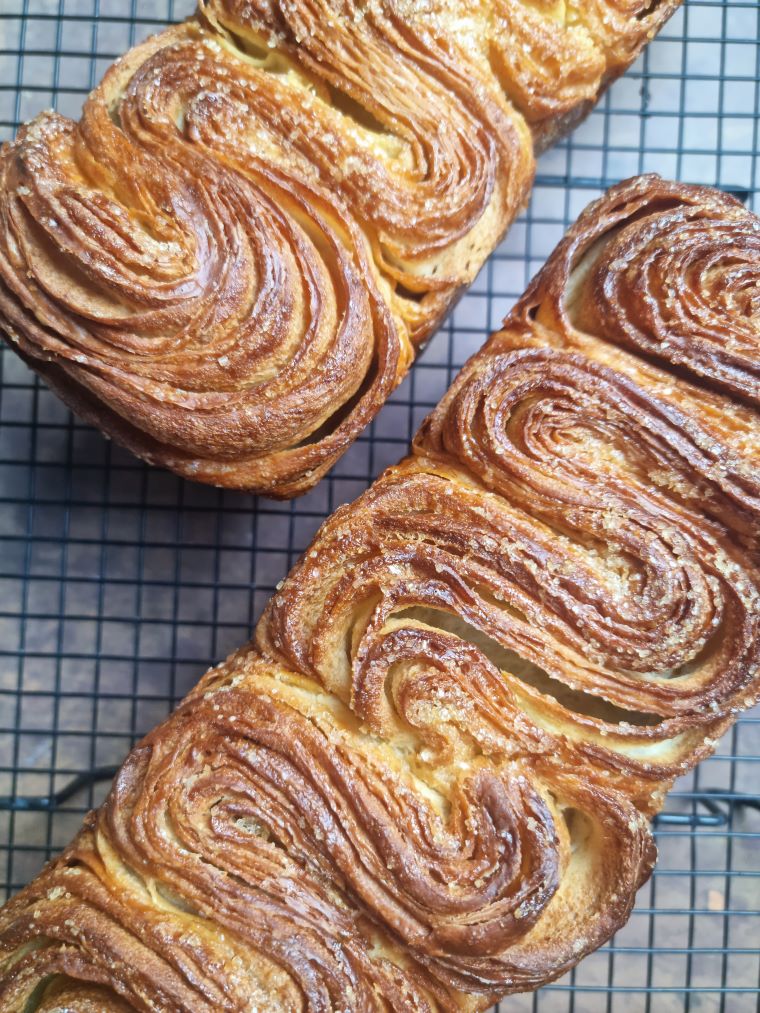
[(433, 183), (229, 301), (254, 798), (428, 782), (553, 58), (668, 271), (227, 263)]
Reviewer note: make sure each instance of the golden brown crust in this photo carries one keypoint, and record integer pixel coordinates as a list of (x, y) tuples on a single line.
[(228, 262), (259, 847), (668, 270), (554, 56), (428, 782)]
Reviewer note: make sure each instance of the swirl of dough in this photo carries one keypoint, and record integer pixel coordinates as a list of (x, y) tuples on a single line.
[(576, 445), (697, 293), (587, 421), (253, 796), (545, 65), (148, 894), (433, 163), (423, 559), (668, 270), (552, 58), (134, 940), (62, 996), (618, 27), (189, 303)]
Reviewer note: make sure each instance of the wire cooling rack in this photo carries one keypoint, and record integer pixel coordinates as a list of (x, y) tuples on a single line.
[(119, 583)]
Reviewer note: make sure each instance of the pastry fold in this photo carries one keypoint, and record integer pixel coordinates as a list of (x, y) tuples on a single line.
[(229, 262), (428, 781)]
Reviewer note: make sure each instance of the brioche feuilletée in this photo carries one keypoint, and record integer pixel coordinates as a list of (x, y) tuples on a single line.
[(228, 263), (429, 780)]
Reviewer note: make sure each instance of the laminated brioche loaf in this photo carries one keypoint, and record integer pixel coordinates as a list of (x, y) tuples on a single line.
[(429, 780), (228, 263)]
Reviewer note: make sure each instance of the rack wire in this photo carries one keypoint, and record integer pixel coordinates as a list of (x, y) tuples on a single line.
[(120, 583)]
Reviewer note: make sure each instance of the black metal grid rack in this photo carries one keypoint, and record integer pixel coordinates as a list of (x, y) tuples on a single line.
[(120, 583)]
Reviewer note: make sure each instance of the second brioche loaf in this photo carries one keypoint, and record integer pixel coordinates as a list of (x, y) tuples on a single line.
[(228, 263)]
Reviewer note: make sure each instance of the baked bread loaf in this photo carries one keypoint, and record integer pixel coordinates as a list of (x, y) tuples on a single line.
[(228, 263), (429, 780)]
